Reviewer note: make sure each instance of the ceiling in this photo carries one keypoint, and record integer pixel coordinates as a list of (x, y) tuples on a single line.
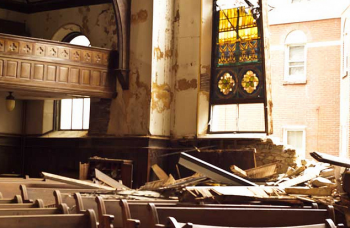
[(34, 6)]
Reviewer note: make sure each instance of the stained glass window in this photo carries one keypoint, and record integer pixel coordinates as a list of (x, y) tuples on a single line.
[(238, 37), (238, 80)]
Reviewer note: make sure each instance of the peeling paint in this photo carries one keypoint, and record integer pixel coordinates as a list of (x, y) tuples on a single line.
[(175, 67), (161, 97), (184, 84), (206, 69), (177, 16), (168, 53), (205, 94), (270, 120), (140, 17), (158, 53)]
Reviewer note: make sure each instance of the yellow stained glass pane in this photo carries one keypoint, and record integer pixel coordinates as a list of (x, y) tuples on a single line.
[(248, 33), (247, 26), (227, 20), (227, 37)]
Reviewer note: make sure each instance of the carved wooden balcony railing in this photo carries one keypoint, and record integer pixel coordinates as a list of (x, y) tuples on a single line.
[(35, 65)]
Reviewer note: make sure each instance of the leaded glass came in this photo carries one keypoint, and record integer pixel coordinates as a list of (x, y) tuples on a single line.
[(238, 39)]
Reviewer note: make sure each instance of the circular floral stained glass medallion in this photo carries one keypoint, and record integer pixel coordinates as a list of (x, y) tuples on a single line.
[(226, 83), (250, 81)]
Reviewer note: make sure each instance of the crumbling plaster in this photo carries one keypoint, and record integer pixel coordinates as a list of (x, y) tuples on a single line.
[(130, 111), (97, 22)]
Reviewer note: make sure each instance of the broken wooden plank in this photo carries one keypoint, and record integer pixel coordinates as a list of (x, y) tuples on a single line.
[(321, 182), (108, 180), (297, 171), (321, 157), (211, 171), (74, 181), (309, 191), (262, 171), (159, 172), (187, 181), (83, 171), (154, 185), (239, 172), (327, 173), (310, 174), (236, 194)]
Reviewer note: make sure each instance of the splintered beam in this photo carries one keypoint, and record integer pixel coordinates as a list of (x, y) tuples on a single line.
[(212, 171)]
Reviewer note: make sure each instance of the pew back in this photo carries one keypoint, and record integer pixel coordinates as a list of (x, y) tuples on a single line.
[(87, 220), (241, 217)]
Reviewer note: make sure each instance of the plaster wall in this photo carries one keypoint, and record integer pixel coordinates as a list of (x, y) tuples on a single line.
[(130, 111), (13, 16), (11, 122), (48, 116), (187, 28), (205, 66), (162, 71), (39, 116), (97, 22)]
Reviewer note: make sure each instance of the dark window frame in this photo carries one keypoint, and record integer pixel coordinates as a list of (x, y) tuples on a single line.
[(213, 83)]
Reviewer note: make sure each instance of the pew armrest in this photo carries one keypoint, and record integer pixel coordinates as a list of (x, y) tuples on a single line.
[(107, 221), (132, 223)]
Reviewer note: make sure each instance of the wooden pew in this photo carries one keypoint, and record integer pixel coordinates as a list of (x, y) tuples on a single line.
[(123, 210), (111, 206), (241, 217), (86, 220), (61, 209), (30, 194), (172, 223), (11, 188), (16, 199), (37, 204)]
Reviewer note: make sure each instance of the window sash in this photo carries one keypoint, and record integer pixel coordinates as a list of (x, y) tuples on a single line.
[(287, 131), (75, 114), (295, 63)]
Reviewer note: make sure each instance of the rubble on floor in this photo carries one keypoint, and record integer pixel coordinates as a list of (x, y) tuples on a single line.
[(309, 183)]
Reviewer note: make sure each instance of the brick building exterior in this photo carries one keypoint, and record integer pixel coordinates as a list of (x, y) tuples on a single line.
[(306, 103)]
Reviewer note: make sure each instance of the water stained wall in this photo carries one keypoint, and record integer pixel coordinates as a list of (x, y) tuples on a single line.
[(97, 22), (130, 111)]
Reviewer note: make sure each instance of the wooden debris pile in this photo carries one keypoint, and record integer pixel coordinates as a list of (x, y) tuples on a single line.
[(311, 182)]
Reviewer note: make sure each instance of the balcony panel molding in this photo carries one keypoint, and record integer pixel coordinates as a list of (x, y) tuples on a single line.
[(29, 64)]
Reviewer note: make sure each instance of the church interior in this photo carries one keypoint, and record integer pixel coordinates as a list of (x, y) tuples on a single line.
[(150, 113)]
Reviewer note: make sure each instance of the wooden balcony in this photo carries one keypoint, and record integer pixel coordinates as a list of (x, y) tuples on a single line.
[(54, 69)]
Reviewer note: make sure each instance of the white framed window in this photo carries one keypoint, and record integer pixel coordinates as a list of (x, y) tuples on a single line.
[(75, 114), (295, 136), (295, 57), (238, 118)]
